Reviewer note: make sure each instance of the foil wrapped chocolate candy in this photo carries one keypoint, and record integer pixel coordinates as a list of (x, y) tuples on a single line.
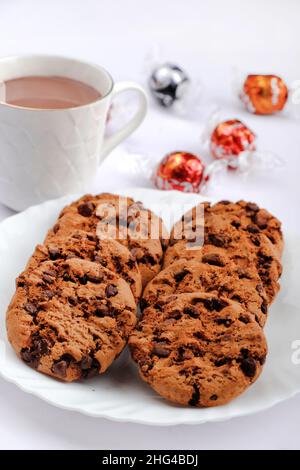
[(183, 171), (229, 139), (168, 83), (264, 94)]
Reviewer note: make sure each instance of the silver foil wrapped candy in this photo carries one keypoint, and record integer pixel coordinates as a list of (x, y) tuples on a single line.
[(168, 83)]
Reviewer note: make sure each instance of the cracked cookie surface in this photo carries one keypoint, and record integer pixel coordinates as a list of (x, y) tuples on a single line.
[(249, 217), (210, 276), (112, 217), (242, 215), (195, 349), (79, 244), (70, 318), (246, 250)]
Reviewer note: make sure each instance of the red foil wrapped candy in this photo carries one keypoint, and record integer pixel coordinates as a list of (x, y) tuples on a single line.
[(180, 170), (264, 94), (229, 139)]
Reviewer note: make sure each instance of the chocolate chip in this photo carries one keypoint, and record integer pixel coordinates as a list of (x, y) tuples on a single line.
[(72, 300), (214, 304), (130, 263), (244, 319), (221, 362), (245, 352), (194, 401), (213, 259), (30, 357), (191, 312), (181, 354), (261, 220), (147, 259), (248, 366), (83, 280), (86, 209), (224, 321), (200, 335), (86, 362), (33, 354), (252, 228), (224, 202), (159, 351), (26, 355), (260, 288), (54, 253), (264, 307), (56, 228), (111, 290), (251, 206), (60, 369), (95, 279), (176, 314), (31, 308), (255, 241), (89, 368), (216, 240), (103, 311), (60, 366), (214, 397), (40, 346), (181, 275), (91, 238), (264, 260), (197, 352), (236, 224)]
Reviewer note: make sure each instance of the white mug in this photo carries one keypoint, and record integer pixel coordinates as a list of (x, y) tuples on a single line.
[(47, 153)]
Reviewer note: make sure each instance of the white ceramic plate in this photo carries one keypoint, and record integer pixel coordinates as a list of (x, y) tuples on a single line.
[(119, 394)]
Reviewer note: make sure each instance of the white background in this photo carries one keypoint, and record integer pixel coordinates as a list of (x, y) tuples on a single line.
[(209, 39)]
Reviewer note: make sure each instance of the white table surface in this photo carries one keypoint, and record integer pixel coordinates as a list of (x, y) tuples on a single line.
[(208, 39)]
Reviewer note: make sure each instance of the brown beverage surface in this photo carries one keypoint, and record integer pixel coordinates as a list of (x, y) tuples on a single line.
[(48, 92)]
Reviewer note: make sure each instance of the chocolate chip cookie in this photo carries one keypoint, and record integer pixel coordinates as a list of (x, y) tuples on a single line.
[(246, 250), (70, 318), (250, 217), (196, 349), (226, 281), (242, 215), (85, 245), (128, 222)]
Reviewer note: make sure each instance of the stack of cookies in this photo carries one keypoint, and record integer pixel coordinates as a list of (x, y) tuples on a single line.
[(75, 303), (201, 341)]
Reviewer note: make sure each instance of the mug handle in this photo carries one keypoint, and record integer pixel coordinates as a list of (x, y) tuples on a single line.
[(113, 140)]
